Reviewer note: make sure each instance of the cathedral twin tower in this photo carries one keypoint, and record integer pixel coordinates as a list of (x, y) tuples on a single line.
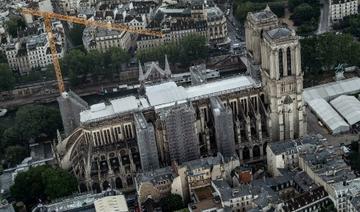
[(275, 50)]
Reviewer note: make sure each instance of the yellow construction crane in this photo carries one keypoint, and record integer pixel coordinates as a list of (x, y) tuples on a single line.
[(48, 16)]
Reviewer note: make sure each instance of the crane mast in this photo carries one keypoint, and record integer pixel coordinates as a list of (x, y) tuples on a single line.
[(48, 16)]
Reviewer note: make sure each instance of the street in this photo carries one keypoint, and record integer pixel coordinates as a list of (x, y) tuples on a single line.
[(324, 18)]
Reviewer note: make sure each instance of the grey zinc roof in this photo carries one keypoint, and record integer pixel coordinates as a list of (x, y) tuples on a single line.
[(333, 121), (348, 107), (228, 192), (264, 15), (281, 32)]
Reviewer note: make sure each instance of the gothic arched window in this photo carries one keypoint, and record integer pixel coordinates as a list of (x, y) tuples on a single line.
[(288, 56), (281, 66)]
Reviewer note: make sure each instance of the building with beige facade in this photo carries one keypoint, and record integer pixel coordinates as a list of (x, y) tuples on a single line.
[(103, 39), (338, 9)]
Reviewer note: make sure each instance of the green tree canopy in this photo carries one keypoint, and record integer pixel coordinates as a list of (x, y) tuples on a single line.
[(320, 54), (30, 122), (75, 34), (15, 154), (7, 79), (172, 202), (187, 50), (79, 65), (303, 13), (15, 24), (42, 183)]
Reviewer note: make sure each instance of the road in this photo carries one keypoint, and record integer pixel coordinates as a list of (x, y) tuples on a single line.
[(58, 9), (324, 18), (235, 29)]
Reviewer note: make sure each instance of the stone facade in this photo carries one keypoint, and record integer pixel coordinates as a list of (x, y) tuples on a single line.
[(104, 150), (283, 82), (339, 9), (255, 25)]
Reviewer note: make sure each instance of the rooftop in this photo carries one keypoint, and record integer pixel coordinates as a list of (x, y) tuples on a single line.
[(166, 94), (156, 175), (294, 145), (328, 164), (264, 15), (280, 33), (111, 204), (333, 121), (331, 90), (227, 192), (348, 107), (76, 202)]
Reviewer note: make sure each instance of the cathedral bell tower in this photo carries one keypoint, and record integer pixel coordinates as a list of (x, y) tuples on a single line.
[(282, 79)]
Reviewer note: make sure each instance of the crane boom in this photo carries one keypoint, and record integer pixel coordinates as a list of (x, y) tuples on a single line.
[(83, 21), (101, 24), (54, 57)]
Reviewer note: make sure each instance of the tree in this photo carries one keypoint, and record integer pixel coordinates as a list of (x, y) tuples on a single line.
[(193, 47), (323, 52), (117, 57), (303, 13), (75, 64), (76, 34), (15, 154), (32, 120), (172, 202), (7, 79), (292, 4), (278, 8), (42, 183), (3, 58), (15, 24)]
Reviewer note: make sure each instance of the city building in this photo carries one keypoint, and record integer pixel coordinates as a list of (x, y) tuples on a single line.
[(185, 179), (154, 184), (256, 23), (115, 203), (283, 78), (327, 168), (104, 39), (104, 149), (176, 21), (321, 165), (33, 51), (338, 9), (285, 154), (109, 200)]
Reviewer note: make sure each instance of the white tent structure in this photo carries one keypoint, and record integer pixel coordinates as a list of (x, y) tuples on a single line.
[(331, 119), (348, 107), (331, 90)]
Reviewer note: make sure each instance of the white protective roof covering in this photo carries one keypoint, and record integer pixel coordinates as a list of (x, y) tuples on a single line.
[(348, 107), (331, 90), (167, 94), (333, 121), (116, 106), (216, 88)]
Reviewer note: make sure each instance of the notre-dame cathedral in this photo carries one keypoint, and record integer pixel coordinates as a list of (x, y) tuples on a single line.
[(167, 122)]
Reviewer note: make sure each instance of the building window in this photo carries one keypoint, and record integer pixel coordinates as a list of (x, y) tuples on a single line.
[(288, 56), (281, 66)]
